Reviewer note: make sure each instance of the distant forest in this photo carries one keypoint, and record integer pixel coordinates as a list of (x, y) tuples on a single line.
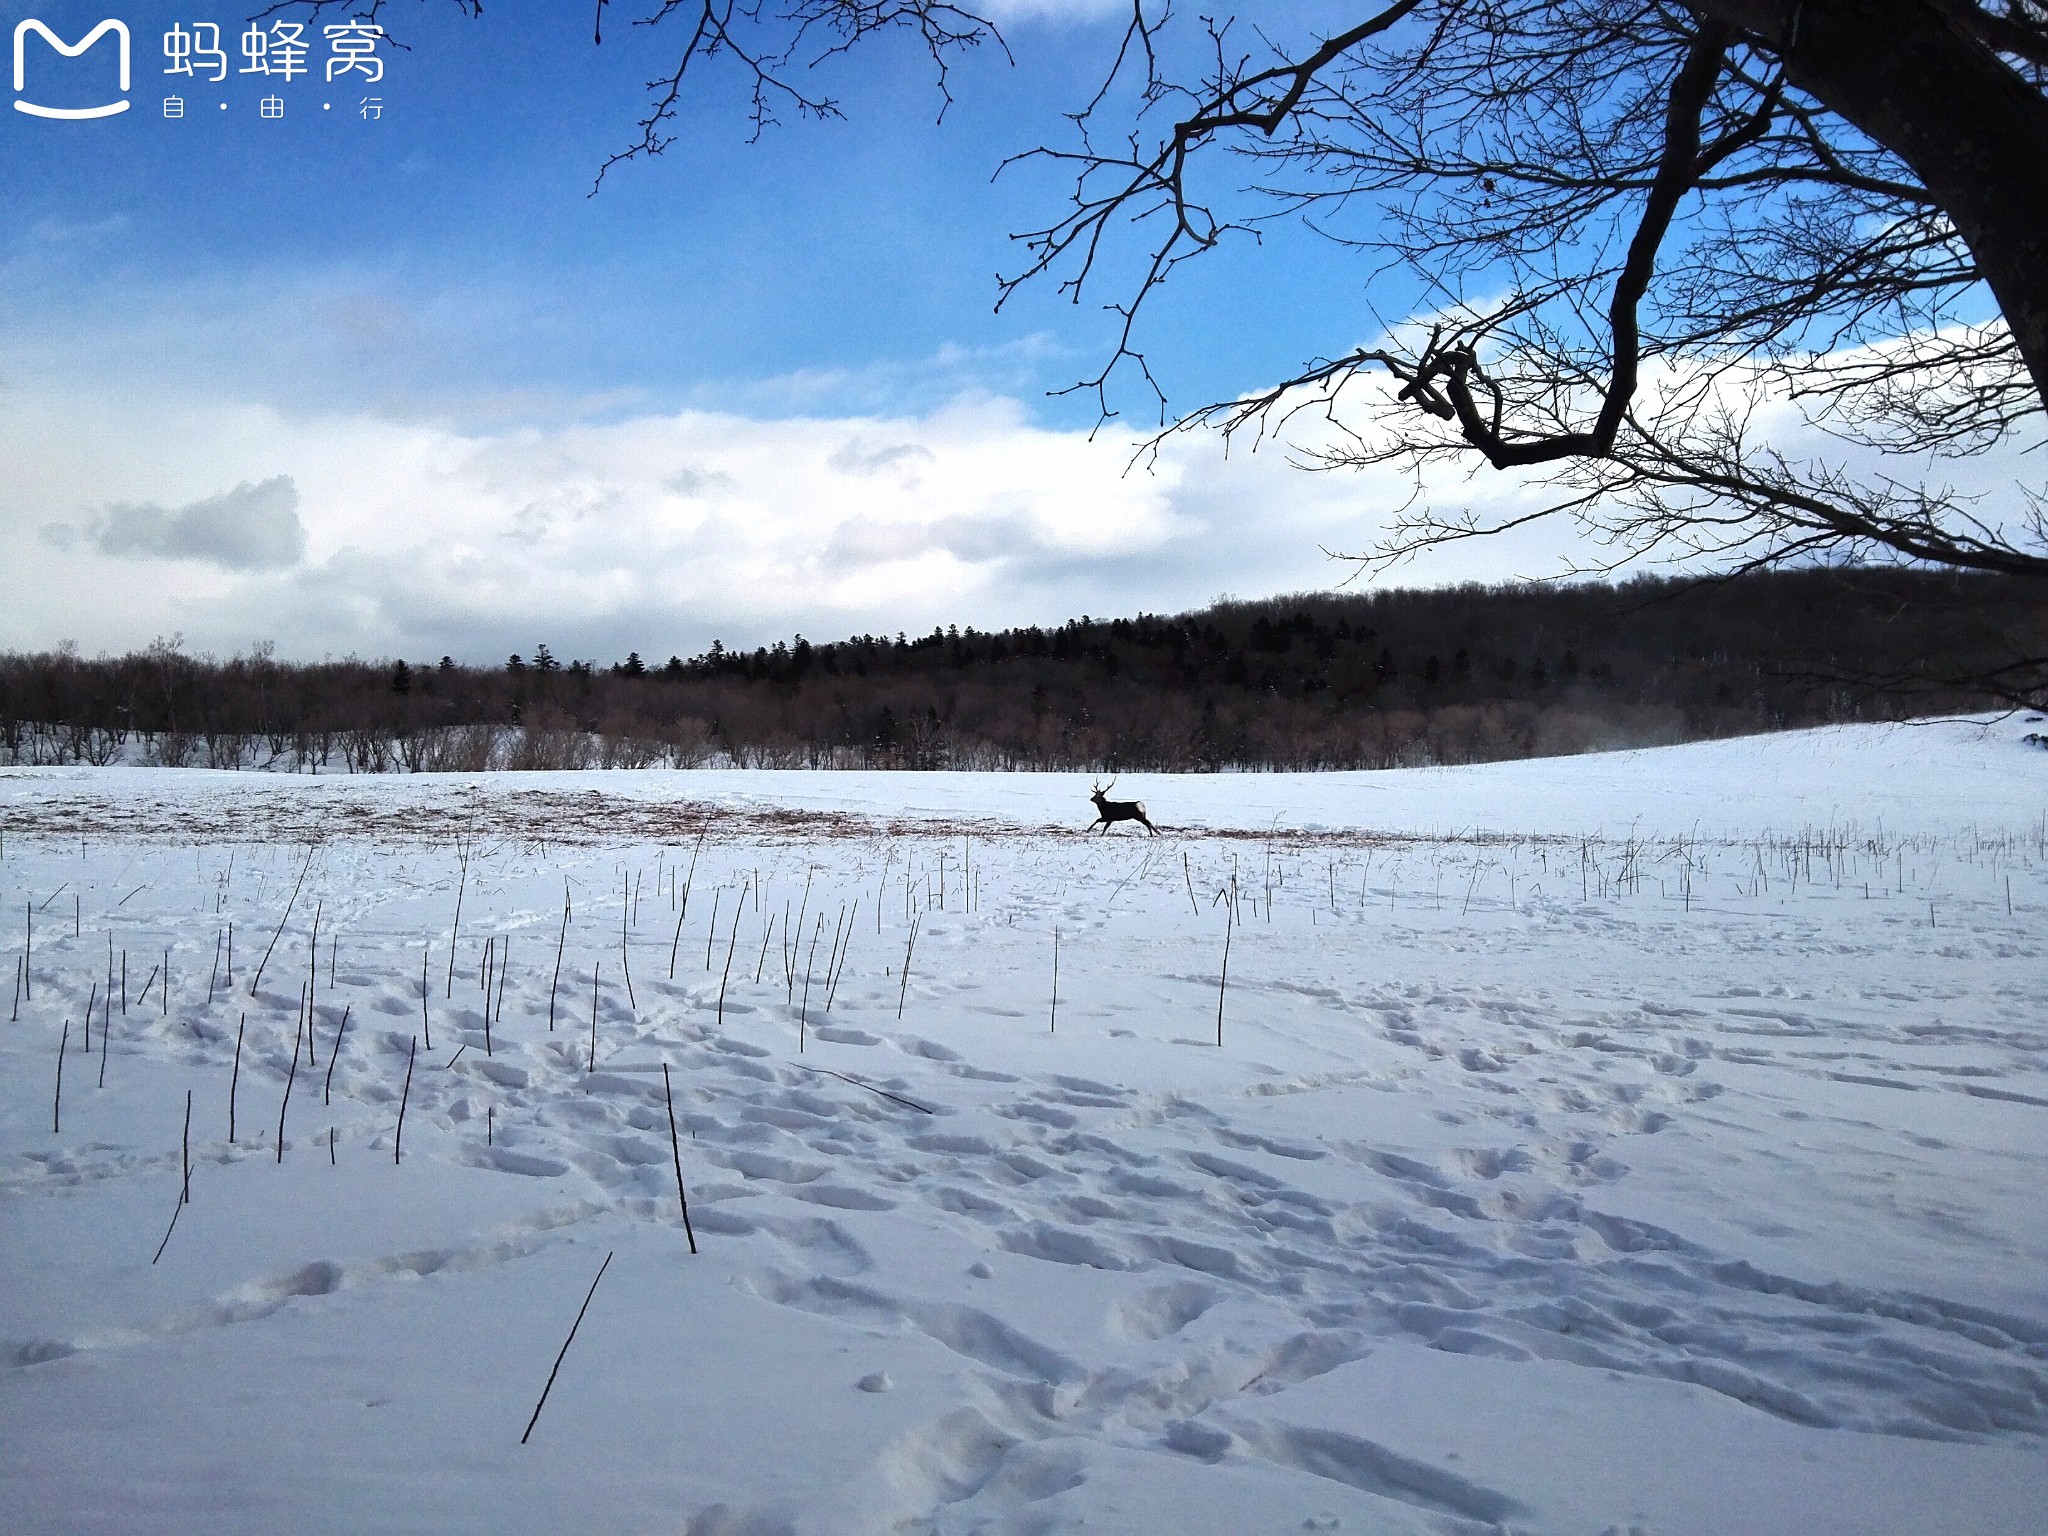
[(1361, 680)]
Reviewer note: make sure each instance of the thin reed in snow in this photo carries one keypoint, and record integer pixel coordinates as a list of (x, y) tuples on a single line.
[(676, 1150), (544, 1391), (455, 933), (1223, 980), (908, 946), (57, 1103), (732, 943), (803, 1016), (562, 943), (285, 1102), (838, 967), (257, 980), (235, 1078), (504, 965), (334, 1055), (1053, 1027), (404, 1095)]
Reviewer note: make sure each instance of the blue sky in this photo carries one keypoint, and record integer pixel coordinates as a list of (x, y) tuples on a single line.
[(821, 246), (448, 401)]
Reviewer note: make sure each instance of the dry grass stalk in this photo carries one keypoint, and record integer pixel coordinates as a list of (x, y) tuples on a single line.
[(257, 980), (730, 944), (334, 1055), (676, 1150), (404, 1095), (909, 945), (560, 944), (803, 1016), (235, 1078), (504, 965), (544, 1391), (285, 1102), (1223, 980), (838, 968), (1054, 1027), (625, 955), (455, 933), (57, 1103)]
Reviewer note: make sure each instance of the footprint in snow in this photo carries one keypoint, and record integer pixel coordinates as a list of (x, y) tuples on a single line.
[(842, 1035), (505, 1160)]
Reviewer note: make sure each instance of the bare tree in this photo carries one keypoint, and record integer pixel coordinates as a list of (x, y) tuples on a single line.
[(1643, 231)]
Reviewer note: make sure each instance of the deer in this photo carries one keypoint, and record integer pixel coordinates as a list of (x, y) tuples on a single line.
[(1108, 812)]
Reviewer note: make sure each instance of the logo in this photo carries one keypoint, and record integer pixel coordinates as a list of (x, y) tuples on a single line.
[(70, 51)]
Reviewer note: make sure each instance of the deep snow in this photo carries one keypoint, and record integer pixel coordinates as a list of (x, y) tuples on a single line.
[(1648, 1142)]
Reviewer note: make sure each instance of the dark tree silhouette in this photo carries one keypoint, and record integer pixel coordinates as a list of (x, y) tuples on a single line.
[(1319, 681), (1644, 230)]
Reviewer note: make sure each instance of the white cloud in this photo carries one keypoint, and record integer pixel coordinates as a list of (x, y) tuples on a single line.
[(857, 458), (655, 533)]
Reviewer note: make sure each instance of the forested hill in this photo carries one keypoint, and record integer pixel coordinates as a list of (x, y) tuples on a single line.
[(1316, 681)]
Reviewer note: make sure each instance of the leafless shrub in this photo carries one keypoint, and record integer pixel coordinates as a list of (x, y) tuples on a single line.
[(462, 749), (174, 748), (550, 741), (688, 742), (624, 742), (366, 750), (102, 747)]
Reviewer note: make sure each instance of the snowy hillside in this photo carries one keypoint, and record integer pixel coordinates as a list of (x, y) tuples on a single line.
[(1651, 1142)]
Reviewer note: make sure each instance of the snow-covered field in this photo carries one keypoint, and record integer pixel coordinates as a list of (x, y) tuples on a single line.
[(1643, 1143)]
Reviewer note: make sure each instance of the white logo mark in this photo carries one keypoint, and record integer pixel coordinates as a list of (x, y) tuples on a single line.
[(70, 51)]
